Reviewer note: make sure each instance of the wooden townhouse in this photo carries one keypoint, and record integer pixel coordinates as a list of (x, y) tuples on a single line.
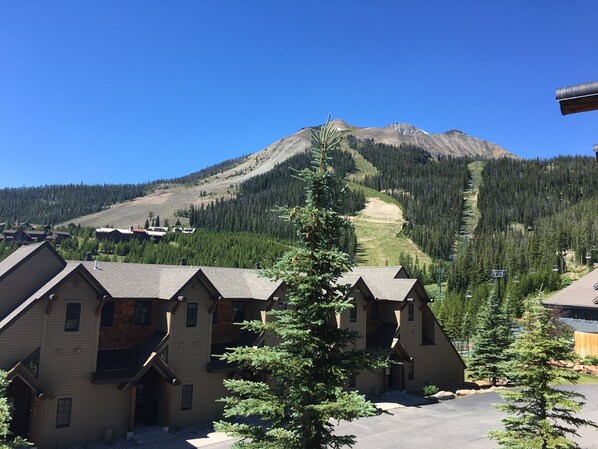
[(94, 350), (577, 306)]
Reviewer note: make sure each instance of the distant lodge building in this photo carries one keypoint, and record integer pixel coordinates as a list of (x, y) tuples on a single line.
[(24, 237), (156, 233), (578, 306)]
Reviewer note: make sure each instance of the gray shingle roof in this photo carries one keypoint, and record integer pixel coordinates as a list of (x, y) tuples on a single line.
[(18, 257), (136, 280), (46, 289), (579, 294), (238, 283), (382, 282)]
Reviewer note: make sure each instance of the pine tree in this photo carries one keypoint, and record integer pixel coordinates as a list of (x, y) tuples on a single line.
[(491, 341), (308, 370), (5, 441), (540, 416)]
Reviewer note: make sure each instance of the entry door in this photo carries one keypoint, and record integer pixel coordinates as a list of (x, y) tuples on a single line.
[(19, 397), (147, 400)]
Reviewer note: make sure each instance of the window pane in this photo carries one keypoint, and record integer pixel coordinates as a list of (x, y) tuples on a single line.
[(191, 314), (238, 311), (410, 316), (107, 319), (187, 397), (353, 313), (71, 319), (143, 311), (63, 412)]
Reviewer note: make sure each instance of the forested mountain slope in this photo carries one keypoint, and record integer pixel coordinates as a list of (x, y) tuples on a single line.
[(165, 197)]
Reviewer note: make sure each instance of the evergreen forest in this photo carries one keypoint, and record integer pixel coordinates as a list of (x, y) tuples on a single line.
[(536, 219)]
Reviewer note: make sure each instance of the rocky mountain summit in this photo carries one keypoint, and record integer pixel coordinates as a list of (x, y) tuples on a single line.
[(169, 198), (450, 143)]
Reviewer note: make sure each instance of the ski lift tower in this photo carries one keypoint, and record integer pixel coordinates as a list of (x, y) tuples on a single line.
[(498, 275)]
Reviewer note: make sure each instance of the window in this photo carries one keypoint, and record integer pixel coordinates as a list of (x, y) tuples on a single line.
[(238, 311), (587, 316), (187, 397), (282, 305), (576, 315), (353, 312), (64, 407), (107, 318), (191, 314), (143, 312), (72, 317), (215, 315), (374, 310), (410, 312)]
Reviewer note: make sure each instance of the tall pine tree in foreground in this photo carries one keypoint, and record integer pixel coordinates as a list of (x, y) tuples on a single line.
[(307, 372), (540, 416), (491, 341)]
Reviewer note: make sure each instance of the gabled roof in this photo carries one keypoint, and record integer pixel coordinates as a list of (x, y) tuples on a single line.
[(148, 281), (71, 269), (23, 254), (382, 282), (21, 371), (159, 365), (241, 283), (581, 293)]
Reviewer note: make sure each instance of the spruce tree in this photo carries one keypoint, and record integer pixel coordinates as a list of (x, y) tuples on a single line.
[(491, 341), (306, 373), (5, 441), (540, 416)]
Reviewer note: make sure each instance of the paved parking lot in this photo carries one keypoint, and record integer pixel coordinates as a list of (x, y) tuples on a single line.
[(456, 424)]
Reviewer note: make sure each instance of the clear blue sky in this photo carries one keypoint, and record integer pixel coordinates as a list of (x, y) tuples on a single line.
[(130, 91)]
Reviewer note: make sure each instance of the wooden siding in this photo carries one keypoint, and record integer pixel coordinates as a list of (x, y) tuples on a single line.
[(67, 360), (586, 344), (22, 337), (124, 333), (189, 351)]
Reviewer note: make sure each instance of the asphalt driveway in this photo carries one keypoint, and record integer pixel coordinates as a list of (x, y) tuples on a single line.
[(459, 424)]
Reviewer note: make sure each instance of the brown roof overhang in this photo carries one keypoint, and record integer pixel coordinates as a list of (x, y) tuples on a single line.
[(578, 98), (21, 371), (161, 368)]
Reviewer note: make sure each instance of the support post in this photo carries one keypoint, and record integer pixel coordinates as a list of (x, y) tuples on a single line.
[(132, 399)]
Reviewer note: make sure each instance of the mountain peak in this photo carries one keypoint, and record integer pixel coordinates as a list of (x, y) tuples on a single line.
[(455, 132), (405, 129), (340, 125)]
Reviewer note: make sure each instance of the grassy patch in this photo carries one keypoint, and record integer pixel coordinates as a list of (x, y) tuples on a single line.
[(373, 193), (381, 240), (587, 379), (363, 167)]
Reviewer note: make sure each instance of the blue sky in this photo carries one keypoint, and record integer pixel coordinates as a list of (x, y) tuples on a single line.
[(130, 91)]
